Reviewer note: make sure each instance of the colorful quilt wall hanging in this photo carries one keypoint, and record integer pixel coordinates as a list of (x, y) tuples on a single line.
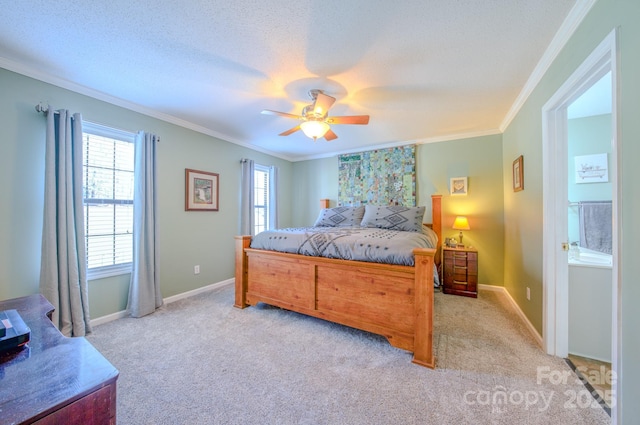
[(378, 177)]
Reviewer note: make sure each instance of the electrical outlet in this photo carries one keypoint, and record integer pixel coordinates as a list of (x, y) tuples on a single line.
[(528, 294), (196, 269)]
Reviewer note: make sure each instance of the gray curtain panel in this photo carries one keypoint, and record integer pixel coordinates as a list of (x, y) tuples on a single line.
[(63, 269), (144, 290), (247, 225), (273, 198)]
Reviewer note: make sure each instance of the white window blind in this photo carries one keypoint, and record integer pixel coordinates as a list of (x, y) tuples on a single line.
[(261, 176), (108, 166)]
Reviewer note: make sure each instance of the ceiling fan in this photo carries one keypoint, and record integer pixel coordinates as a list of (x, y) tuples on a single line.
[(315, 119)]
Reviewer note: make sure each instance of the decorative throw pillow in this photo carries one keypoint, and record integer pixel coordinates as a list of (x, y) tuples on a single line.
[(407, 219), (340, 217)]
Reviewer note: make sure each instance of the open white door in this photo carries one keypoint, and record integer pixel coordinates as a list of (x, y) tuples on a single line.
[(555, 271)]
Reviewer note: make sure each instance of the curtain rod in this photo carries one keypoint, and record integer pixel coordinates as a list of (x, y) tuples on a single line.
[(44, 108)]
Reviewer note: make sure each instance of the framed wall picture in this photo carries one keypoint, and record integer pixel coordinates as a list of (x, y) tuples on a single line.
[(591, 168), (518, 174), (458, 186), (201, 190)]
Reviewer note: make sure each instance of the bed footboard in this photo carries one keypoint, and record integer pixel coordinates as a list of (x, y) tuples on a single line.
[(390, 300)]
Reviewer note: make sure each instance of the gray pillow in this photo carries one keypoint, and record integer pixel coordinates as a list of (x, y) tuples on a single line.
[(340, 217), (407, 219)]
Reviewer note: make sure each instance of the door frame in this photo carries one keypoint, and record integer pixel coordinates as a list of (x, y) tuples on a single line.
[(555, 201)]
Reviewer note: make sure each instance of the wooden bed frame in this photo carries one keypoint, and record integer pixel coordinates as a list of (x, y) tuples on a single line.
[(390, 300)]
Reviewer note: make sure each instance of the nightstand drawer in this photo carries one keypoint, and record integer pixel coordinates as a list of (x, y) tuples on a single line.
[(459, 262)]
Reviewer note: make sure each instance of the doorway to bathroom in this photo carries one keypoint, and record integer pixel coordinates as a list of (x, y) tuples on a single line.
[(590, 227), (559, 326)]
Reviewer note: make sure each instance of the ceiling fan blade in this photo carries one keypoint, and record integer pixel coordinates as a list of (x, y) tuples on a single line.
[(290, 131), (282, 114), (322, 104), (330, 135), (352, 119)]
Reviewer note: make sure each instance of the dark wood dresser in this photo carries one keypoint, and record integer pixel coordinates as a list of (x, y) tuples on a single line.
[(54, 379), (460, 271)]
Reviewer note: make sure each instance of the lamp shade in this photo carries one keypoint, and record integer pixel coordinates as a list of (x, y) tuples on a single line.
[(314, 129), (461, 223)]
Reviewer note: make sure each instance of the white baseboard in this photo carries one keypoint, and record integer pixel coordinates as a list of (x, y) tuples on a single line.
[(120, 314), (516, 307), (108, 318), (197, 291)]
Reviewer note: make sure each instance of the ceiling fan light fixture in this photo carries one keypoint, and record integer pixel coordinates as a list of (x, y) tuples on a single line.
[(314, 129), (315, 119)]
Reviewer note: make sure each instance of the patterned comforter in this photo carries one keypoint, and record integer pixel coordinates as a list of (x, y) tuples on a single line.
[(347, 243)]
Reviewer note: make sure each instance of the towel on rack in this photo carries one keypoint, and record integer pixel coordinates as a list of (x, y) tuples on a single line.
[(596, 225)]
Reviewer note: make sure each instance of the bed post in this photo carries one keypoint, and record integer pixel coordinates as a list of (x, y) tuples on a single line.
[(242, 242), (423, 302), (436, 217), (436, 226)]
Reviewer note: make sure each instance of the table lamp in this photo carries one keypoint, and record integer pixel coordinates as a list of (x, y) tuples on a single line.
[(461, 223)]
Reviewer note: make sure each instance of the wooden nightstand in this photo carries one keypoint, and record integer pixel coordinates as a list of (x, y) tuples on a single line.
[(460, 271)]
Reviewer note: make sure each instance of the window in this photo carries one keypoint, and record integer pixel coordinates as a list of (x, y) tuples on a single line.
[(107, 165), (261, 177)]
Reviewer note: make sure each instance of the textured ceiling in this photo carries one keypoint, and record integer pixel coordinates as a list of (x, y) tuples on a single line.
[(422, 69)]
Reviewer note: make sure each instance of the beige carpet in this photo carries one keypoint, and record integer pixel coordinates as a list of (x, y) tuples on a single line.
[(201, 361)]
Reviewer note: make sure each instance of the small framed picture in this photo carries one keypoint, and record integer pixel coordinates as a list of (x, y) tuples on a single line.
[(201, 190), (458, 186), (518, 174), (591, 168)]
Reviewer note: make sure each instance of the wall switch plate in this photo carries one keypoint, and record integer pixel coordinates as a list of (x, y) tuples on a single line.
[(528, 294), (196, 269)]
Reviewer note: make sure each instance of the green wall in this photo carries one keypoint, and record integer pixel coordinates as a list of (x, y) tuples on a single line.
[(523, 210), (186, 238), (479, 159), (315, 180)]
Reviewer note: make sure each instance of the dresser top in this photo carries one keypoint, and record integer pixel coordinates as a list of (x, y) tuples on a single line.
[(51, 370)]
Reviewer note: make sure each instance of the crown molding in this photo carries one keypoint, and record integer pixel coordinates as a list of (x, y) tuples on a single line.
[(566, 30), (116, 101), (447, 138)]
